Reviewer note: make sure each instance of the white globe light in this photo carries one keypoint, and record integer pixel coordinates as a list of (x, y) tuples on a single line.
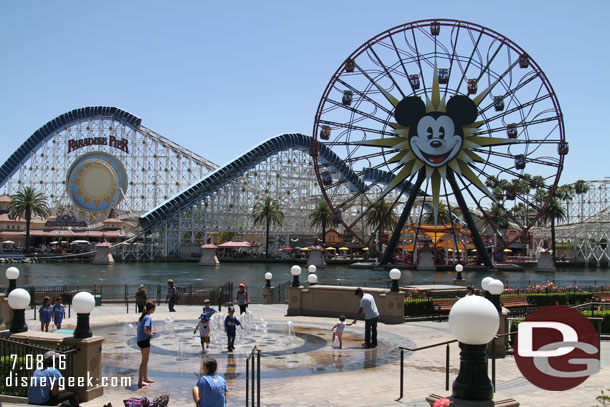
[(295, 270), (268, 276), (12, 273), (459, 268), (18, 299), (474, 320), (395, 274), (312, 278), (83, 302), (485, 283), (312, 268), (496, 287)]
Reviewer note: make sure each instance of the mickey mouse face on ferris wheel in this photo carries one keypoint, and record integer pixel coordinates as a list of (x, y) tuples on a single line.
[(436, 137)]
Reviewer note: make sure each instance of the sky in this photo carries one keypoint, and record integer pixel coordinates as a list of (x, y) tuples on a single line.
[(220, 77)]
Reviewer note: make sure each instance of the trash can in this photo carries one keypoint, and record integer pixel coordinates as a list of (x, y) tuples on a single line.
[(98, 300)]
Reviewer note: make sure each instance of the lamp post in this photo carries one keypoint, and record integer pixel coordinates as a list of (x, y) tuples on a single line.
[(12, 274), (458, 269), (474, 321), (312, 268), (268, 277), (485, 286), (296, 272), (394, 276), (83, 304), (312, 279), (496, 288), (18, 299)]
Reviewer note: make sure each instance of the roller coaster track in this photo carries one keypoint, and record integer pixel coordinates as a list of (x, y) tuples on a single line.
[(194, 194)]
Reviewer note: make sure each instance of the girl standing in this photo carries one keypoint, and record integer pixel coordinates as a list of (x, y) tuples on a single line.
[(45, 313), (143, 339), (242, 298)]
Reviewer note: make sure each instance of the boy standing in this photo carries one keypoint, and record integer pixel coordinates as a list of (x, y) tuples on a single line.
[(204, 330), (59, 312), (230, 328)]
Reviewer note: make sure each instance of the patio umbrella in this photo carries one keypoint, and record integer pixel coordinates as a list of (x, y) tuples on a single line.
[(80, 242), (8, 242), (304, 249), (288, 249), (330, 248), (508, 251), (366, 249), (54, 242), (343, 248)]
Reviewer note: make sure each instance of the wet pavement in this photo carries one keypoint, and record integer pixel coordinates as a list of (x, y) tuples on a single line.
[(305, 371)]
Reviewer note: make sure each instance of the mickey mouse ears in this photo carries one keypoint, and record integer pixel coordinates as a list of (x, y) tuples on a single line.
[(460, 108)]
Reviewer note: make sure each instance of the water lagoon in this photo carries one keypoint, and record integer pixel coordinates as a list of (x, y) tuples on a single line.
[(46, 274)]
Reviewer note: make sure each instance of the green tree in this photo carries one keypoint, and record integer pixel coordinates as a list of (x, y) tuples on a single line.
[(566, 194), (380, 216), (580, 189), (321, 216), (443, 216), (267, 212), (26, 203), (554, 212)]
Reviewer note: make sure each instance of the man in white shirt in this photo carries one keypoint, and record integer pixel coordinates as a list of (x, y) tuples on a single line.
[(371, 316)]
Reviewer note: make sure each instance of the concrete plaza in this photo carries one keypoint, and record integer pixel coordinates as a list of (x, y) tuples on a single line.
[(367, 378)]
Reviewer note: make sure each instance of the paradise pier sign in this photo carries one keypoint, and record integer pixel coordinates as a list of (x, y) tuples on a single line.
[(122, 144)]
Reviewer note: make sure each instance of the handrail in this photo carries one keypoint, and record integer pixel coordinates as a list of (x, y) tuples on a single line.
[(447, 343), (255, 353)]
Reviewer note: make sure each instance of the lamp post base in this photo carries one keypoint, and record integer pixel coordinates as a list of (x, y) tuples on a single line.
[(472, 382), (18, 323), (457, 402), (12, 284), (82, 326)]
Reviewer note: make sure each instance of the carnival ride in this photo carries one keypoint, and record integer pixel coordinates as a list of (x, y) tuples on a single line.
[(452, 107)]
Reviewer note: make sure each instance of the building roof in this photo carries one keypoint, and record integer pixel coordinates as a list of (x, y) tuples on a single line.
[(5, 198)]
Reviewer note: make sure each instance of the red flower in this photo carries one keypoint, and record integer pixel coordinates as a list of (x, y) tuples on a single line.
[(444, 402)]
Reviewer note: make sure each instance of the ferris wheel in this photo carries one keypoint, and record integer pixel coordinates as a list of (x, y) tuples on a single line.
[(439, 116)]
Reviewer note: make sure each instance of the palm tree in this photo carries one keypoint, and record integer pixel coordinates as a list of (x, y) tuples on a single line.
[(553, 212), (566, 193), (322, 217), (381, 216), (443, 215), (581, 188), (267, 212), (25, 204)]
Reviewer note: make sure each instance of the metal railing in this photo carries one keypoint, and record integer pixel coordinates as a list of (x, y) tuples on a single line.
[(253, 377), (20, 358), (447, 353)]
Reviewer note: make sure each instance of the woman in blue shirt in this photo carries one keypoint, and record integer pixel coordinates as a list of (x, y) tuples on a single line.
[(211, 389), (144, 335)]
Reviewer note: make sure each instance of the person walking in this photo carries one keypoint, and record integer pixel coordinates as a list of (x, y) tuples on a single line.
[(144, 335), (46, 314), (211, 389), (44, 385), (230, 328), (242, 298), (371, 316), (141, 297), (59, 312), (171, 295)]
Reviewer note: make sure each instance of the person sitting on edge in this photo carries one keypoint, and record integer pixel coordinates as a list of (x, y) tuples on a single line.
[(207, 310), (211, 389), (59, 312), (469, 290), (44, 386), (371, 316)]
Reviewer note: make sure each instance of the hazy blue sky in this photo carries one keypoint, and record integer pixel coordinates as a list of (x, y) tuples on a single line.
[(220, 77)]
